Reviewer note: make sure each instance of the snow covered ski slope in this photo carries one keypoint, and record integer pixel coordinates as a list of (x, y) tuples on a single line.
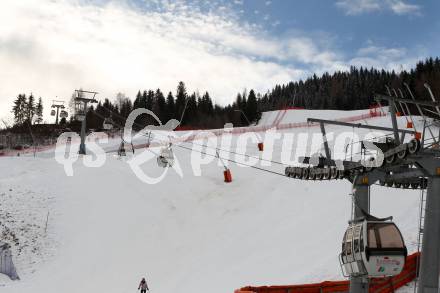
[(298, 115), (102, 229)]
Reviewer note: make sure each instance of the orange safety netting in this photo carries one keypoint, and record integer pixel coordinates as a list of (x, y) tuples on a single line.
[(377, 285)]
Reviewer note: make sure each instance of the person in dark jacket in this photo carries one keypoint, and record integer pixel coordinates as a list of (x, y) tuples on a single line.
[(143, 286)]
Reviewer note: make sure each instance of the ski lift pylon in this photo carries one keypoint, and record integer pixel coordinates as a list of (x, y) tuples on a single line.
[(80, 114)]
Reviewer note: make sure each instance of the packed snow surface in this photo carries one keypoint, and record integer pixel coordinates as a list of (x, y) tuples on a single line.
[(102, 229), (297, 116)]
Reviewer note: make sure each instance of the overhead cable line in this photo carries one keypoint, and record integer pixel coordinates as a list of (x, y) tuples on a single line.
[(236, 153), (232, 161)]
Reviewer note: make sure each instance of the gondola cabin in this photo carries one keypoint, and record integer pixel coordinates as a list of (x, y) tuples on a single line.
[(373, 249)]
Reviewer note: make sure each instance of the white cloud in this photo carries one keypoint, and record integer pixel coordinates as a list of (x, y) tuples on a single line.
[(353, 7), (59, 46), (400, 7), (276, 23), (51, 48), (383, 57)]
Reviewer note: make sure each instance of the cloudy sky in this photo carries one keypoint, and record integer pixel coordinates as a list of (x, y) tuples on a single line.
[(51, 47)]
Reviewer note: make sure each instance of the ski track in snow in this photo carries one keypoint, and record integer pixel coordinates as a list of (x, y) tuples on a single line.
[(107, 229)]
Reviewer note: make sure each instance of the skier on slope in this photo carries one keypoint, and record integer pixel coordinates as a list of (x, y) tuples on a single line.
[(143, 286)]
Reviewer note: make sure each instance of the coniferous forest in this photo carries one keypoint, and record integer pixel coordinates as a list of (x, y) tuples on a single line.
[(349, 90)]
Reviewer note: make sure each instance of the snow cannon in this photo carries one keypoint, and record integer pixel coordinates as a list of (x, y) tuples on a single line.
[(227, 175)]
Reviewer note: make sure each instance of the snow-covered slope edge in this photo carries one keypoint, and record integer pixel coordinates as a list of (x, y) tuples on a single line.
[(106, 228)]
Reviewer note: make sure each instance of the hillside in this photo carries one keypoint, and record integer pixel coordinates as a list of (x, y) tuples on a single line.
[(107, 228)]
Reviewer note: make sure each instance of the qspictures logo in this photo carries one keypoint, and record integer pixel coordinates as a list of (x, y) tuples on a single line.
[(226, 145)]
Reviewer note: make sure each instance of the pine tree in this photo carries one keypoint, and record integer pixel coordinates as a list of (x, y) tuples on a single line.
[(348, 90), (205, 104), (20, 109), (149, 100), (171, 107), (138, 101), (191, 112), (126, 108), (160, 106), (252, 107), (143, 101), (181, 97), (39, 111), (243, 103), (30, 108)]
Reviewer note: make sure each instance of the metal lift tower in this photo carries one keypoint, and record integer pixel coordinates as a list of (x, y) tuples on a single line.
[(414, 164), (81, 104)]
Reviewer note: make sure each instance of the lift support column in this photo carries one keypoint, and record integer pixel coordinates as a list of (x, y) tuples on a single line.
[(82, 146), (361, 197), (430, 259)]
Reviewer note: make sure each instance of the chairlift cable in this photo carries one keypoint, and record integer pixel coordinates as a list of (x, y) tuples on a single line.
[(122, 138), (235, 153), (226, 159), (137, 124), (223, 150), (233, 161)]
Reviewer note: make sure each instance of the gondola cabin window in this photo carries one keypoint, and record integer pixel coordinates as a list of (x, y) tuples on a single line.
[(384, 235), (372, 243)]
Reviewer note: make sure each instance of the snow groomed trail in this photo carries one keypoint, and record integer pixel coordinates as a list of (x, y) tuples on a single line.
[(106, 228)]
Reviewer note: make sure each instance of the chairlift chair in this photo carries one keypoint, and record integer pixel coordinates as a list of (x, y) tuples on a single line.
[(121, 150), (372, 247), (64, 114), (166, 157), (108, 124)]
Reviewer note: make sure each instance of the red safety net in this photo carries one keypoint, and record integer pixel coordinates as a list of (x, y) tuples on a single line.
[(377, 285)]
